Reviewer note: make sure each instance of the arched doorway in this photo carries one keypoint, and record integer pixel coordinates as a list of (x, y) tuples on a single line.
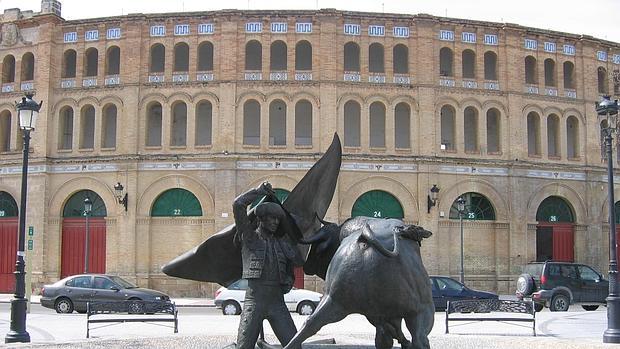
[(477, 207), (555, 231), (176, 202), (74, 235), (378, 204), (8, 242)]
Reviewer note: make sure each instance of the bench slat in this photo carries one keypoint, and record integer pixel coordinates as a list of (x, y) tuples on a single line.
[(122, 311), (487, 306)]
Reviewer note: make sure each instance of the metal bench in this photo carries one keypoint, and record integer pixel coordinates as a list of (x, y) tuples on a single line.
[(488, 306), (130, 311)]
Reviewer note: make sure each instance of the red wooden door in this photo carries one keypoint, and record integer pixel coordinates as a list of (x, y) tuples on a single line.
[(8, 253), (617, 242), (299, 277), (563, 242), (73, 249)]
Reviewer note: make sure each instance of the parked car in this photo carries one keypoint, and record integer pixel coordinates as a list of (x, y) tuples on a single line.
[(72, 293), (557, 285), (447, 289), (230, 299)]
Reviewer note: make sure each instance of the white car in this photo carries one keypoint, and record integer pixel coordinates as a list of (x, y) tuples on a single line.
[(230, 299)]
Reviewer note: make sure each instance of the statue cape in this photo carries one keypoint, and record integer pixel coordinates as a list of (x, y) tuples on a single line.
[(218, 259)]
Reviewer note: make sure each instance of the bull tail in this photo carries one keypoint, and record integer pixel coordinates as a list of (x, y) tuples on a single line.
[(369, 236)]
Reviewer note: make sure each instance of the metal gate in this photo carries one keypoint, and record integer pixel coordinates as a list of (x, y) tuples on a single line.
[(8, 253), (74, 249)]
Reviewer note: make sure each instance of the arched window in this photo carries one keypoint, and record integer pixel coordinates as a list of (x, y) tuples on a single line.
[(251, 123), (469, 64), (65, 129), (303, 55), (402, 126), (278, 61), (617, 212), (572, 137), (68, 64), (569, 75), (153, 125), (477, 207), (377, 125), (352, 127), (351, 57), (113, 61), (108, 137), (378, 204), (176, 202), (602, 80), (253, 55), (204, 123), (448, 121), (158, 58), (75, 205), (277, 123), (493, 131), (303, 123), (27, 67), (178, 128), (470, 129), (91, 62), (5, 130), (549, 72), (446, 62), (553, 135), (87, 127), (205, 56), (533, 134), (181, 57), (8, 206), (531, 72), (555, 209), (401, 59), (490, 65), (376, 62), (8, 69)]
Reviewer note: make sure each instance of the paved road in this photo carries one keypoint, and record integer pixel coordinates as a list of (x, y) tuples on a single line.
[(199, 326)]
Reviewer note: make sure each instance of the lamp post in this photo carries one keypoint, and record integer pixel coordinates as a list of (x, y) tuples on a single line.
[(28, 112), (88, 207), (460, 206), (607, 111)]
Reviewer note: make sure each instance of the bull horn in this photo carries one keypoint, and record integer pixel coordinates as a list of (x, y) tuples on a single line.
[(369, 236)]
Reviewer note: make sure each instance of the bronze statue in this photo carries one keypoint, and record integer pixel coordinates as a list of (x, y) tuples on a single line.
[(268, 259)]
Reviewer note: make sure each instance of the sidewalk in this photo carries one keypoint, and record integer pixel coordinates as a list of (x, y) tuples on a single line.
[(180, 302)]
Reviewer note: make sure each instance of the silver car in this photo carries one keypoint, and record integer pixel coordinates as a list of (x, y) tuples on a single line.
[(74, 292)]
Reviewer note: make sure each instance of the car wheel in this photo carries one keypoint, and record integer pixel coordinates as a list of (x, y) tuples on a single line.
[(64, 306), (538, 307), (525, 284), (135, 307), (306, 308), (590, 307), (231, 308), (559, 302)]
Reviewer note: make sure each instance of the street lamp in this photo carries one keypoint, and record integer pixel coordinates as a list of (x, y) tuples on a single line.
[(118, 192), (28, 112), (88, 208), (431, 198), (460, 206), (607, 111)]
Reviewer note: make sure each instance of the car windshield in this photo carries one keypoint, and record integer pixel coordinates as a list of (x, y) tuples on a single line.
[(122, 282)]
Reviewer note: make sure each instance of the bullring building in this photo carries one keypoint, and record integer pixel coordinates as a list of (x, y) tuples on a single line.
[(187, 110)]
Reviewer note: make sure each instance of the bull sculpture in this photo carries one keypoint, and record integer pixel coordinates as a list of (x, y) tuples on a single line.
[(372, 267)]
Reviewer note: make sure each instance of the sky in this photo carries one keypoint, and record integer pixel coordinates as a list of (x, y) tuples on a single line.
[(598, 18)]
